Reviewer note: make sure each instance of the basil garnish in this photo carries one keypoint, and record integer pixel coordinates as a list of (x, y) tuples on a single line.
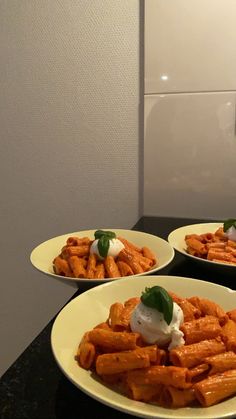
[(229, 223), (104, 238), (99, 233), (158, 298), (103, 246)]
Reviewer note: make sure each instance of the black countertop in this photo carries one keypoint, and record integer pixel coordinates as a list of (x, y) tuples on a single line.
[(35, 388)]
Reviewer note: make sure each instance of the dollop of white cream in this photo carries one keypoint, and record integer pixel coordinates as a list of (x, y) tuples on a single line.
[(151, 325), (231, 233), (115, 246)]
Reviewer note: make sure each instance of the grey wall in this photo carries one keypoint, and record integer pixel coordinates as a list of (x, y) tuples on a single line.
[(69, 142)]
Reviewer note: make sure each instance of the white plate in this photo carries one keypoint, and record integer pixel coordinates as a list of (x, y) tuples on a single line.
[(72, 323), (42, 256), (177, 240)]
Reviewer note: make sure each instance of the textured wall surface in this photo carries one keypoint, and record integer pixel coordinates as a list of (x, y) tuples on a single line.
[(69, 142)]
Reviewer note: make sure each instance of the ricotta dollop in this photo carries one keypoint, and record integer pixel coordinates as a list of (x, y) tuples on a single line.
[(151, 325), (231, 233), (115, 246)]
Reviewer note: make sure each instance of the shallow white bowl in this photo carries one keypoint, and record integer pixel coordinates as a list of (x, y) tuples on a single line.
[(72, 323), (177, 240), (43, 255)]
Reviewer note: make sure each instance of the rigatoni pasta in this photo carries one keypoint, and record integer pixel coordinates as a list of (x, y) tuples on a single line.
[(196, 330), (216, 388), (78, 260), (175, 397), (215, 247), (200, 372)]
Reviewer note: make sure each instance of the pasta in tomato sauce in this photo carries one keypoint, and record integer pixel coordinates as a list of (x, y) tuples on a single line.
[(215, 247), (201, 372), (78, 260)]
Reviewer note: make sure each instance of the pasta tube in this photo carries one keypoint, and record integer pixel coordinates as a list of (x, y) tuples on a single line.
[(207, 327), (232, 244), (146, 266), (61, 267), (132, 261), (213, 365), (114, 316), (174, 397), (206, 237), (77, 266), (216, 388), (91, 266), (80, 251), (124, 268), (144, 261), (190, 312), (199, 372), (129, 245), (111, 267), (215, 245), (99, 271), (114, 363), (103, 325), (145, 392), (77, 241), (114, 378), (176, 298), (149, 254), (229, 335), (220, 255), (113, 341), (221, 362), (232, 314), (191, 355), (220, 233), (196, 245), (123, 322), (160, 374), (152, 351), (86, 355), (86, 352), (193, 236), (209, 308)]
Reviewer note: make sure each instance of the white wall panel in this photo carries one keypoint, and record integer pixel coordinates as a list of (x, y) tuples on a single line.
[(190, 155), (190, 45)]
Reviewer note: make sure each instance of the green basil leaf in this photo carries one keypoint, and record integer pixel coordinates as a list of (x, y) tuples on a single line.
[(229, 223), (99, 233), (103, 245), (158, 298), (110, 234)]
